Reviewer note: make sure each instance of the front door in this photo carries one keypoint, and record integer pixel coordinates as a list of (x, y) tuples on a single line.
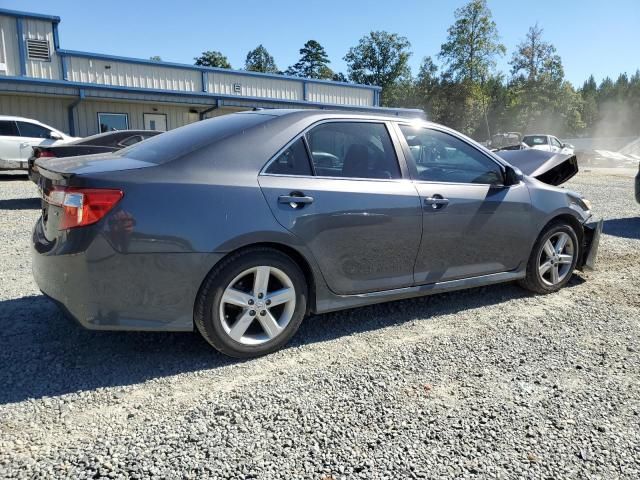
[(155, 121), (473, 225), (351, 207)]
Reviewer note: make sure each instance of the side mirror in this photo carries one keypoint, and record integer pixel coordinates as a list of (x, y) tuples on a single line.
[(512, 175), (55, 136)]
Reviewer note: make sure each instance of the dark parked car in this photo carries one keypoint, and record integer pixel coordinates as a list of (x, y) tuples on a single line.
[(638, 185), (241, 225), (100, 143)]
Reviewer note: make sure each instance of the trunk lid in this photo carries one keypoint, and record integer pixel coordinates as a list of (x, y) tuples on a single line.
[(57, 174), (548, 167)]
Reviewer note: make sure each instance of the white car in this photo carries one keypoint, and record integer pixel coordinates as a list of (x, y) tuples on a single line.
[(548, 143), (19, 135)]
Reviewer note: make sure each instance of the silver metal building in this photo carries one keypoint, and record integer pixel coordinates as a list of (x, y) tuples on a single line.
[(84, 93)]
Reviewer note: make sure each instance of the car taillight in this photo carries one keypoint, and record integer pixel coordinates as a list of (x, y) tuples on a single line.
[(44, 154), (82, 206)]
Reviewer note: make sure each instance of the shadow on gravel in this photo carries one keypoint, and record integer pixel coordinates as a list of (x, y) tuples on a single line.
[(43, 353), (623, 227), (13, 176), (20, 204)]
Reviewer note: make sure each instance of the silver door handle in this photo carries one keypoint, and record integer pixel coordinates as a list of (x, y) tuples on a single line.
[(436, 202), (25, 145), (295, 201)]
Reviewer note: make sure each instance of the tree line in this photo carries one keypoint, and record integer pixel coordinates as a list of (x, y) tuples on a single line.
[(464, 90)]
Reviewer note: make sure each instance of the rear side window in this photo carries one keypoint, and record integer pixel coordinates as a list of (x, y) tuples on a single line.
[(130, 141), (293, 161), (32, 130), (184, 140), (8, 128), (533, 140), (353, 150)]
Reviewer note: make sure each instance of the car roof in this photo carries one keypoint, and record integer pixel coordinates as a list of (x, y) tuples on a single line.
[(390, 114)]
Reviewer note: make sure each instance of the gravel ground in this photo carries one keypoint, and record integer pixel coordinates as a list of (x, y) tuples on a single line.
[(491, 382)]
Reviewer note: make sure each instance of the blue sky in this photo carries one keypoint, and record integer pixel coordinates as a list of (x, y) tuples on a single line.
[(592, 36)]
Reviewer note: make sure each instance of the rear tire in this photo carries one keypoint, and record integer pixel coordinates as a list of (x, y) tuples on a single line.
[(252, 303), (552, 260)]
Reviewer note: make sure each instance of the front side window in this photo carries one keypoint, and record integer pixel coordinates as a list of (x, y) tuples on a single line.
[(293, 161), (440, 157), (8, 128), (556, 142), (353, 150), (32, 130), (109, 122)]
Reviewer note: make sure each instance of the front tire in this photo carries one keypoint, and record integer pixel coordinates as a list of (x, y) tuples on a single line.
[(553, 259), (252, 303)]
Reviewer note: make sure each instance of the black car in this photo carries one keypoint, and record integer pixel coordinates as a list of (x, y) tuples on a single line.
[(101, 143), (638, 185)]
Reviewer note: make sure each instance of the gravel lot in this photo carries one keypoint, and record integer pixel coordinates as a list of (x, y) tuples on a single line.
[(491, 382)]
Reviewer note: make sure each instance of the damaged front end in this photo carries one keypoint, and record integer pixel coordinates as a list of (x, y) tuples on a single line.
[(548, 167)]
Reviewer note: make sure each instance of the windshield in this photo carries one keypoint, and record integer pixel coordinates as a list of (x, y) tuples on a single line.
[(181, 141), (533, 140)]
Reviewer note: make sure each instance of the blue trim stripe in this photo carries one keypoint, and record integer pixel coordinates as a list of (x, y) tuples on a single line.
[(65, 67), (184, 66), (37, 16), (21, 46), (56, 37)]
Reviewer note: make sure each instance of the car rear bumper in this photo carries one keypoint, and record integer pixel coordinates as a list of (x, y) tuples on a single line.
[(591, 242), (13, 164), (106, 290)]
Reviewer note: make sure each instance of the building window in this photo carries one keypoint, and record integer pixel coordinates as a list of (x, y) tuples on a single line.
[(38, 49), (108, 122)]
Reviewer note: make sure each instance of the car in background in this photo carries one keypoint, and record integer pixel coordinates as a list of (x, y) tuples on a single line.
[(19, 135), (241, 225), (100, 143), (506, 141), (548, 143)]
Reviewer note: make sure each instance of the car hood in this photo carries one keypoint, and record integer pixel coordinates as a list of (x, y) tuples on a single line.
[(548, 167)]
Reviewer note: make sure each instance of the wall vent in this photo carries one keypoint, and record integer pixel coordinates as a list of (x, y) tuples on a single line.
[(38, 49)]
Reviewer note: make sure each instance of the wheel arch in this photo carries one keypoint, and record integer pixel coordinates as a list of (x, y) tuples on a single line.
[(292, 253), (575, 224)]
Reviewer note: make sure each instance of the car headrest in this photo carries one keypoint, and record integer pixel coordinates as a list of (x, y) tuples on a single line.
[(356, 161)]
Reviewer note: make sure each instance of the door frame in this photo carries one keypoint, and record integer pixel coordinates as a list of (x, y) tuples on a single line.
[(166, 119), (112, 113)]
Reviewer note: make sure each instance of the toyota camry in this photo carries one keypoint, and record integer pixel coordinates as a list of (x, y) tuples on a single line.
[(242, 225)]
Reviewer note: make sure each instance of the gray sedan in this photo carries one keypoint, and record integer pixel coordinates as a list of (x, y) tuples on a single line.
[(241, 225)]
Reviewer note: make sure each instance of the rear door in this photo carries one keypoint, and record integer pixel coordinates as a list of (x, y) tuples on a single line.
[(473, 225), (352, 205)]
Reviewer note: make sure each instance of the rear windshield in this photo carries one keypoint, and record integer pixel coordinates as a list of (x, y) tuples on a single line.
[(181, 141), (533, 140)]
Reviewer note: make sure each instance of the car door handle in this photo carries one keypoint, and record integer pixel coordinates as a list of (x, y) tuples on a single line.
[(25, 145), (436, 202), (295, 200)]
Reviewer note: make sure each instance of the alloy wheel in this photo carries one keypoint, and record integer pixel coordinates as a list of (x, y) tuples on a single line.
[(257, 305), (556, 258)]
